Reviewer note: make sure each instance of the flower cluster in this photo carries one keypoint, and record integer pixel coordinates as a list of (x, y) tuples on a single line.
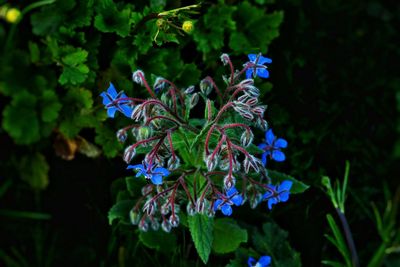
[(199, 162)]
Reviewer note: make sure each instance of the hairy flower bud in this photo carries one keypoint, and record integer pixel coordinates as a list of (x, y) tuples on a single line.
[(263, 124), (174, 220), (194, 99), (189, 90), (259, 110), (147, 189), (122, 135), (143, 225), (205, 86), (225, 59), (165, 208), (137, 112), (134, 217), (149, 207), (247, 138), (229, 182), (247, 82), (138, 77), (251, 162), (252, 101), (252, 91), (190, 209), (155, 225), (144, 132), (166, 226), (247, 115), (211, 162), (159, 84), (173, 163), (202, 205), (129, 153)]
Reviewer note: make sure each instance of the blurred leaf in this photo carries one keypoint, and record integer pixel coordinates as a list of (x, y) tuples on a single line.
[(50, 106), (74, 71), (110, 19), (273, 242), (120, 211), (201, 230), (159, 240), (227, 235), (34, 170)]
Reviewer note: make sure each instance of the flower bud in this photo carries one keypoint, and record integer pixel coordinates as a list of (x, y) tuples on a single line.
[(263, 124), (149, 207), (134, 217), (174, 220), (129, 153), (211, 162), (225, 59), (189, 90), (155, 225), (159, 84), (13, 15), (194, 100), (122, 135), (247, 82), (205, 86), (143, 225), (202, 205), (191, 209), (252, 91), (188, 26), (138, 77), (165, 208), (247, 115), (252, 101), (137, 112), (166, 226), (259, 110), (147, 189), (251, 162), (173, 163), (144, 132), (247, 138), (229, 182)]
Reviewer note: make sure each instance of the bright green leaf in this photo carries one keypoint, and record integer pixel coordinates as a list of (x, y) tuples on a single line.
[(227, 235), (201, 229)]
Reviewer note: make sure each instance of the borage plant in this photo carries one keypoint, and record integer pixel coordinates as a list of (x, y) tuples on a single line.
[(204, 163)]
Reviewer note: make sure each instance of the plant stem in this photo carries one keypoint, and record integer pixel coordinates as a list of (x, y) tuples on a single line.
[(349, 238)]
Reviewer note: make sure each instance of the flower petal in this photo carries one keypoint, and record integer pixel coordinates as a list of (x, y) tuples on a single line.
[(262, 146), (111, 90), (272, 201), (217, 203), (251, 261), (162, 171), (232, 191), (278, 155), (263, 73), (249, 73), (269, 137), (264, 261), (226, 209), (156, 179), (252, 57), (136, 167), (284, 196), (237, 200), (106, 98), (111, 112), (285, 186), (280, 143), (267, 194), (264, 158), (262, 60)]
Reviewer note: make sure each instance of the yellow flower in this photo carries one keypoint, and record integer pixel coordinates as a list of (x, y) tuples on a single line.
[(188, 26), (13, 15)]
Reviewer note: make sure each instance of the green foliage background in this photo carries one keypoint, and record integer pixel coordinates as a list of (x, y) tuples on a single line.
[(334, 94)]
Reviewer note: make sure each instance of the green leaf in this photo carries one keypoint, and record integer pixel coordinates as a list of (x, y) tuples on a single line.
[(333, 263), (110, 19), (107, 139), (201, 229), (298, 187), (120, 211), (339, 240), (50, 106), (74, 71), (227, 235), (273, 242), (20, 119), (159, 240), (34, 169)]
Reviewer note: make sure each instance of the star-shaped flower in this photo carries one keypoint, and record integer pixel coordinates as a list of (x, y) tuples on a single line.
[(111, 103), (278, 193), (225, 202), (155, 174), (272, 147), (258, 68), (264, 261)]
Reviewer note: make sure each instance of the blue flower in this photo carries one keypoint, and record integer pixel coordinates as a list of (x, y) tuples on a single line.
[(258, 69), (272, 147), (226, 201), (278, 193), (155, 174), (264, 261), (110, 101)]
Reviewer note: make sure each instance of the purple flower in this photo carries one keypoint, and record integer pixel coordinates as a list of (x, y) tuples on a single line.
[(111, 103), (279, 193), (272, 147), (264, 261), (258, 68), (225, 202), (155, 174)]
